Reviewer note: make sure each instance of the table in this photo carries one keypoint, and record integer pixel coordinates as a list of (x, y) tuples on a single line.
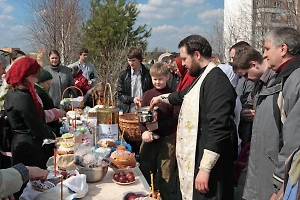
[(106, 189)]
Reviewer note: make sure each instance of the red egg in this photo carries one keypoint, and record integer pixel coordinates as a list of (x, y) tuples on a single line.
[(130, 178), (122, 179), (129, 195), (132, 197), (122, 173), (64, 174), (116, 177), (129, 173)]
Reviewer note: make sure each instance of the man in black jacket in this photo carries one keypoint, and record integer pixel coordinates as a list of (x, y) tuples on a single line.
[(133, 82)]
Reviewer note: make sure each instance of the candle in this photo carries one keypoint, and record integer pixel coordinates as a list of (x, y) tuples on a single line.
[(61, 188), (122, 135), (54, 151), (75, 120), (158, 196), (152, 184), (150, 189), (72, 102)]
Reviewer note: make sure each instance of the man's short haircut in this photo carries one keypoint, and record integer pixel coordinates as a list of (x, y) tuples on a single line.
[(196, 43), (243, 58), (135, 52), (285, 35), (159, 69), (16, 54), (83, 50), (239, 45)]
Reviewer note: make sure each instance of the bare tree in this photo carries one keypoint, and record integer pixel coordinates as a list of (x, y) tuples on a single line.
[(110, 63), (216, 39), (250, 20), (291, 14), (237, 23), (55, 24)]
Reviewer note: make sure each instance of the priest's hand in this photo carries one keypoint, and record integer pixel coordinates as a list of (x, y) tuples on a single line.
[(155, 101), (201, 181), (147, 136), (273, 196), (137, 101)]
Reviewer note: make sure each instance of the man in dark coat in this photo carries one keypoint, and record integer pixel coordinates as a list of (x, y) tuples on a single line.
[(134, 81), (204, 146)]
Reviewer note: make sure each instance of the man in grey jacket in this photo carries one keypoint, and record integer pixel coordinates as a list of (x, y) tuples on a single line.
[(274, 133)]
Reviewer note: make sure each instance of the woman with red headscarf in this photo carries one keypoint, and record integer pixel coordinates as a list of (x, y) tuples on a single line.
[(26, 115), (182, 72)]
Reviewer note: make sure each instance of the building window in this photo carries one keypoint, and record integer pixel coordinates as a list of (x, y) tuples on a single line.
[(290, 4), (266, 2), (290, 19), (277, 4), (273, 16)]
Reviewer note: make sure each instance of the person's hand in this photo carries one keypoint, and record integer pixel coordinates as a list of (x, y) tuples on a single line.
[(155, 101), (147, 136), (137, 101), (151, 126), (90, 82), (11, 197), (201, 181), (36, 173), (273, 196), (248, 115), (62, 113)]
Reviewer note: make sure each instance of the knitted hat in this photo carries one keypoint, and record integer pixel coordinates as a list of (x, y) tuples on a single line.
[(45, 76)]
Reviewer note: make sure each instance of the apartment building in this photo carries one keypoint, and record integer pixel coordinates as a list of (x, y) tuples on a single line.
[(249, 20)]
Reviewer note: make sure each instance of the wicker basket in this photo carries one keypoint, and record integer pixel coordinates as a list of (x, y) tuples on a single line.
[(130, 124), (69, 106)]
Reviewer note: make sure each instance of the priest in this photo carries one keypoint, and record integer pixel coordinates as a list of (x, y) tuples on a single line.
[(204, 147)]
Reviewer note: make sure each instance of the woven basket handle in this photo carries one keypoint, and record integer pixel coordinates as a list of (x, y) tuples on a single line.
[(111, 99), (63, 94)]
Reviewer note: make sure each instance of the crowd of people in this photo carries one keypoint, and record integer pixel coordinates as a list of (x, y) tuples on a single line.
[(225, 131)]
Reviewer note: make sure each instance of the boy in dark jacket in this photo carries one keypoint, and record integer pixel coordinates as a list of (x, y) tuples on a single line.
[(158, 155)]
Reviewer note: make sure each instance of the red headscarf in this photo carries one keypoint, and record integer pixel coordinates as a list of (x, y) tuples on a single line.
[(18, 72), (185, 79)]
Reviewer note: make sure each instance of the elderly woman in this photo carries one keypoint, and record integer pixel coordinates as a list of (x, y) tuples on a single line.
[(62, 78), (42, 88), (185, 78)]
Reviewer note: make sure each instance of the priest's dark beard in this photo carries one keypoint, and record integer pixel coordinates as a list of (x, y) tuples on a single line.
[(195, 69)]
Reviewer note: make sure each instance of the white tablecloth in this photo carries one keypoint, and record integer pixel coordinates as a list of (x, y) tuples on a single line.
[(106, 189)]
